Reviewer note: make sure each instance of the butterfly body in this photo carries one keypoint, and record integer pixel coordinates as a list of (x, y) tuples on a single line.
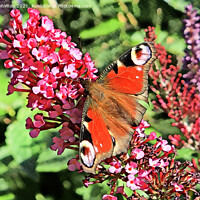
[(111, 108)]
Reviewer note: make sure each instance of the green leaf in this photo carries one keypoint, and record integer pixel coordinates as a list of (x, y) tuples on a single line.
[(49, 161), (178, 4), (11, 102), (19, 141), (144, 104), (173, 43), (8, 196), (185, 154), (4, 185), (3, 168), (94, 5), (142, 193), (20, 144), (93, 192), (137, 37), (4, 152), (102, 29), (151, 129), (106, 2)]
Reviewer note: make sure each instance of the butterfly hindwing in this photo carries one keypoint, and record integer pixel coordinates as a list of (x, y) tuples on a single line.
[(112, 108), (95, 142)]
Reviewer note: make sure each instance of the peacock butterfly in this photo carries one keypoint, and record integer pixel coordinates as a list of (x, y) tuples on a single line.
[(111, 108)]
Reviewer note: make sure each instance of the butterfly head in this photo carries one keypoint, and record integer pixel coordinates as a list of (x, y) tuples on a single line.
[(86, 84)]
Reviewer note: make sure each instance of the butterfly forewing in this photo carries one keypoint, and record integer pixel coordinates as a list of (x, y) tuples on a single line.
[(96, 142), (112, 107), (129, 74)]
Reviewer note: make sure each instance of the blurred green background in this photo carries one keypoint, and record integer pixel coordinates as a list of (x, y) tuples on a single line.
[(107, 28)]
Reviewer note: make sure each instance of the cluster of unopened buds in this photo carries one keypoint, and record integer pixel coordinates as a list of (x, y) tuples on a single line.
[(49, 67), (175, 96)]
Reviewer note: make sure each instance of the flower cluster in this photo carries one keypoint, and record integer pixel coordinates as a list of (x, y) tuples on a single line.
[(192, 53), (50, 68), (150, 168), (174, 96)]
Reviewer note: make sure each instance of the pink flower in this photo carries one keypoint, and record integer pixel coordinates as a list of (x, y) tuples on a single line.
[(51, 80), (32, 43), (131, 183), (57, 111), (144, 124), (154, 163), (120, 190), (40, 53), (40, 88), (89, 64), (57, 73), (76, 53), (152, 136), (33, 13), (163, 163), (143, 173), (70, 71), (8, 64), (75, 116), (49, 93), (58, 145), (73, 164), (66, 133), (39, 121), (15, 13), (20, 42), (42, 38), (178, 187), (73, 94), (47, 23), (138, 153), (63, 93), (34, 133), (52, 58), (165, 146), (115, 167), (65, 45), (109, 197), (130, 168), (140, 131)]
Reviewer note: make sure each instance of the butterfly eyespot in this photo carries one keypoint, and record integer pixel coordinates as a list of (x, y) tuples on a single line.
[(87, 153), (140, 55)]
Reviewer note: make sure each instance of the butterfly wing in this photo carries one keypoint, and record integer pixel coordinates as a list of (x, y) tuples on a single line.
[(112, 106), (94, 133), (129, 74)]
